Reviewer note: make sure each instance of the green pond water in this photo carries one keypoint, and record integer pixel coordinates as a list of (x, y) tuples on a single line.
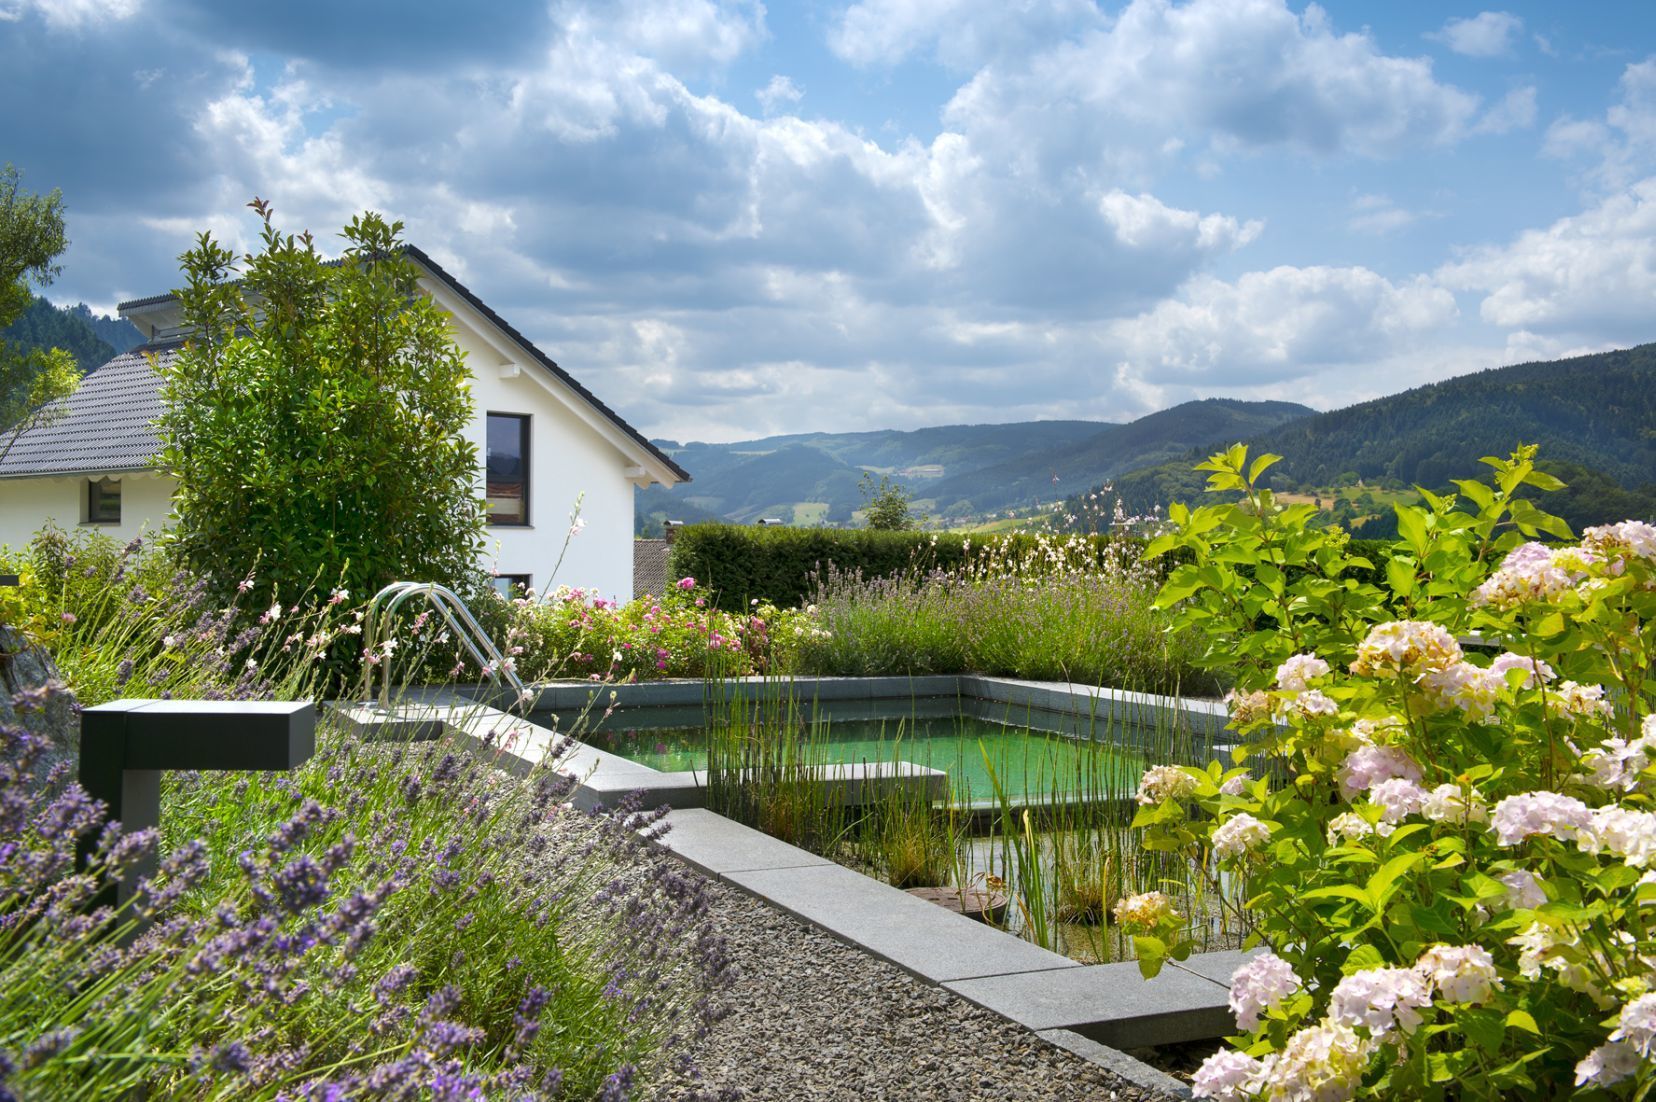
[(1027, 761)]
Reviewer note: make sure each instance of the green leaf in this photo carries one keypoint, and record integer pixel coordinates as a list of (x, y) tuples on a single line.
[(1521, 1019), (1484, 1028), (1151, 951)]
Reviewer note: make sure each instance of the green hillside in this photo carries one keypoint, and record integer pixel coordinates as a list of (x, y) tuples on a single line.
[(43, 325), (954, 470), (1594, 418)]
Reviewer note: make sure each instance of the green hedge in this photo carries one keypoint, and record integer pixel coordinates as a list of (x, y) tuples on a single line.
[(741, 563)]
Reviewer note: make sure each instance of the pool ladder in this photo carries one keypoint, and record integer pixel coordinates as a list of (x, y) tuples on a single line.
[(460, 621)]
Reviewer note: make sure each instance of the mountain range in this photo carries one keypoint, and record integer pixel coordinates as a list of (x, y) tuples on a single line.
[(957, 472), (1593, 418)]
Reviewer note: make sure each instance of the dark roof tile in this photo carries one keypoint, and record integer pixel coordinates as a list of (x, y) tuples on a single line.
[(108, 427)]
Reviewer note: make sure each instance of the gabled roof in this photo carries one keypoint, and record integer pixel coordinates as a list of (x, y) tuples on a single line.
[(108, 425), (108, 428)]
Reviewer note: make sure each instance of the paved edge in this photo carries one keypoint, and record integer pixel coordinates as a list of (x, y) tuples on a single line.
[(1135, 1071)]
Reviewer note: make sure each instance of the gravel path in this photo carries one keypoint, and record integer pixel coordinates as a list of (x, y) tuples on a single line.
[(814, 1018)]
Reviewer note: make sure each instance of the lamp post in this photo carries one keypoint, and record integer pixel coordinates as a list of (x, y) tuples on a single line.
[(126, 744)]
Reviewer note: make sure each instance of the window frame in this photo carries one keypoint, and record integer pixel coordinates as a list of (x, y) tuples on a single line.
[(94, 495), (525, 442), (515, 585)]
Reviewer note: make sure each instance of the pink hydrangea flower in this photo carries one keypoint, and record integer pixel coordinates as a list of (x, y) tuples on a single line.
[(1397, 798), (1381, 999)]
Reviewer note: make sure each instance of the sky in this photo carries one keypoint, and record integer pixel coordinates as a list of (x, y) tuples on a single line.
[(734, 219)]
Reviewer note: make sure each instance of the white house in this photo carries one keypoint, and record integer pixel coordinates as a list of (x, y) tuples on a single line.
[(546, 439)]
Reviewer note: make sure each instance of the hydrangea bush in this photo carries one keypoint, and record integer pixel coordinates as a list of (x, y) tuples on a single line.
[(1440, 818)]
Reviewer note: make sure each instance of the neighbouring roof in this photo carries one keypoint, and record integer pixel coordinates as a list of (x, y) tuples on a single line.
[(108, 427), (650, 567), (545, 362)]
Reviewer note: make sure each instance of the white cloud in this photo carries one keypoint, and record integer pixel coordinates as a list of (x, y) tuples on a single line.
[(1624, 144), (71, 14), (1515, 111), (1244, 74), (1145, 223), (1278, 325), (1377, 214), (1594, 272), (1487, 34), (781, 92)]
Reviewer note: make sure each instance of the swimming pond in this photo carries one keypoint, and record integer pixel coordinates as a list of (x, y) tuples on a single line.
[(1031, 752)]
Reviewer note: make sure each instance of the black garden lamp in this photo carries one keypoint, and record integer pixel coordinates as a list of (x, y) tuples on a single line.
[(126, 744)]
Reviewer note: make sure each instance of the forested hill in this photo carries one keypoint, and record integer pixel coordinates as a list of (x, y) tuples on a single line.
[(1594, 418), (91, 339), (957, 472)]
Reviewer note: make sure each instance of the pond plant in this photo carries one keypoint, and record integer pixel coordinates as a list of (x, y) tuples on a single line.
[(1443, 807)]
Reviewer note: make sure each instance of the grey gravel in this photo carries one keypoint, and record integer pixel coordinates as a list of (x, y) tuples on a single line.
[(814, 1018)]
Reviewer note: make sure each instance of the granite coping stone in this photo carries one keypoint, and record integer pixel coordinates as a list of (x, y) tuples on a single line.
[(719, 846), (926, 940), (1109, 1003)]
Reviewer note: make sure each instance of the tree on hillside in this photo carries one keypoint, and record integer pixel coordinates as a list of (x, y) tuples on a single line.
[(31, 239), (312, 420), (888, 506)]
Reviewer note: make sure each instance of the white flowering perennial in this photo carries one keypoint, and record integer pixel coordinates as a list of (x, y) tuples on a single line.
[(1380, 1000), (1367, 766), (1227, 1076), (1630, 537), (1531, 813), (1239, 834), (1450, 803), (1618, 764), (1531, 572), (1310, 703), (1296, 673), (1257, 986), (1608, 1064), (1472, 689), (1523, 891), (1145, 911), (1460, 973), (1324, 1063), (1235, 786), (1621, 832), (1572, 699), (1161, 783), (1397, 798), (1536, 672), (1406, 648), (1348, 827)]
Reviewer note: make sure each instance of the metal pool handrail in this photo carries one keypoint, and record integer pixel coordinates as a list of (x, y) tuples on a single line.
[(459, 620)]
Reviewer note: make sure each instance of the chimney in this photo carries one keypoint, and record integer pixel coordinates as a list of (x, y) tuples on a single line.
[(669, 529)]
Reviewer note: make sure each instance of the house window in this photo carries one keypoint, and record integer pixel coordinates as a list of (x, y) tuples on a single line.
[(103, 501), (511, 585), (506, 468)]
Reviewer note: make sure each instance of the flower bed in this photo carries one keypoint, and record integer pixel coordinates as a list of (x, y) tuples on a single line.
[(1447, 854)]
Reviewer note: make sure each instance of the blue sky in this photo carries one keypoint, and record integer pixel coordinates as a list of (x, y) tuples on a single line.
[(731, 219)]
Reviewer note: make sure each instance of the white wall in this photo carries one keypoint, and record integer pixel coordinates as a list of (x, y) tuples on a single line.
[(27, 503), (568, 459)]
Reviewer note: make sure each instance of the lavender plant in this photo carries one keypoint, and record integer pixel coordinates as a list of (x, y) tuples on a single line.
[(385, 922)]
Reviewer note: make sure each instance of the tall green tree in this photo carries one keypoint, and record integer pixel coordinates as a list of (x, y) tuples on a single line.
[(31, 240), (313, 418), (888, 508)]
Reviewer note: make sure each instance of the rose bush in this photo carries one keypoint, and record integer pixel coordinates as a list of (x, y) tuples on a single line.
[(1440, 817)]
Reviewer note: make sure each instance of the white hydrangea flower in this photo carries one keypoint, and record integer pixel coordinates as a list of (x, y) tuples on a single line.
[(1227, 1076), (1637, 1025), (1405, 647), (1460, 973), (1523, 890), (1472, 689), (1628, 834), (1381, 999), (1323, 1063), (1535, 671), (1573, 699), (1236, 785), (1450, 803), (1348, 827), (1261, 983), (1161, 783), (1397, 798), (1618, 763), (1607, 1064), (1295, 674), (1531, 572), (1239, 834), (1530, 813), (1145, 911), (1310, 703), (1366, 766)]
